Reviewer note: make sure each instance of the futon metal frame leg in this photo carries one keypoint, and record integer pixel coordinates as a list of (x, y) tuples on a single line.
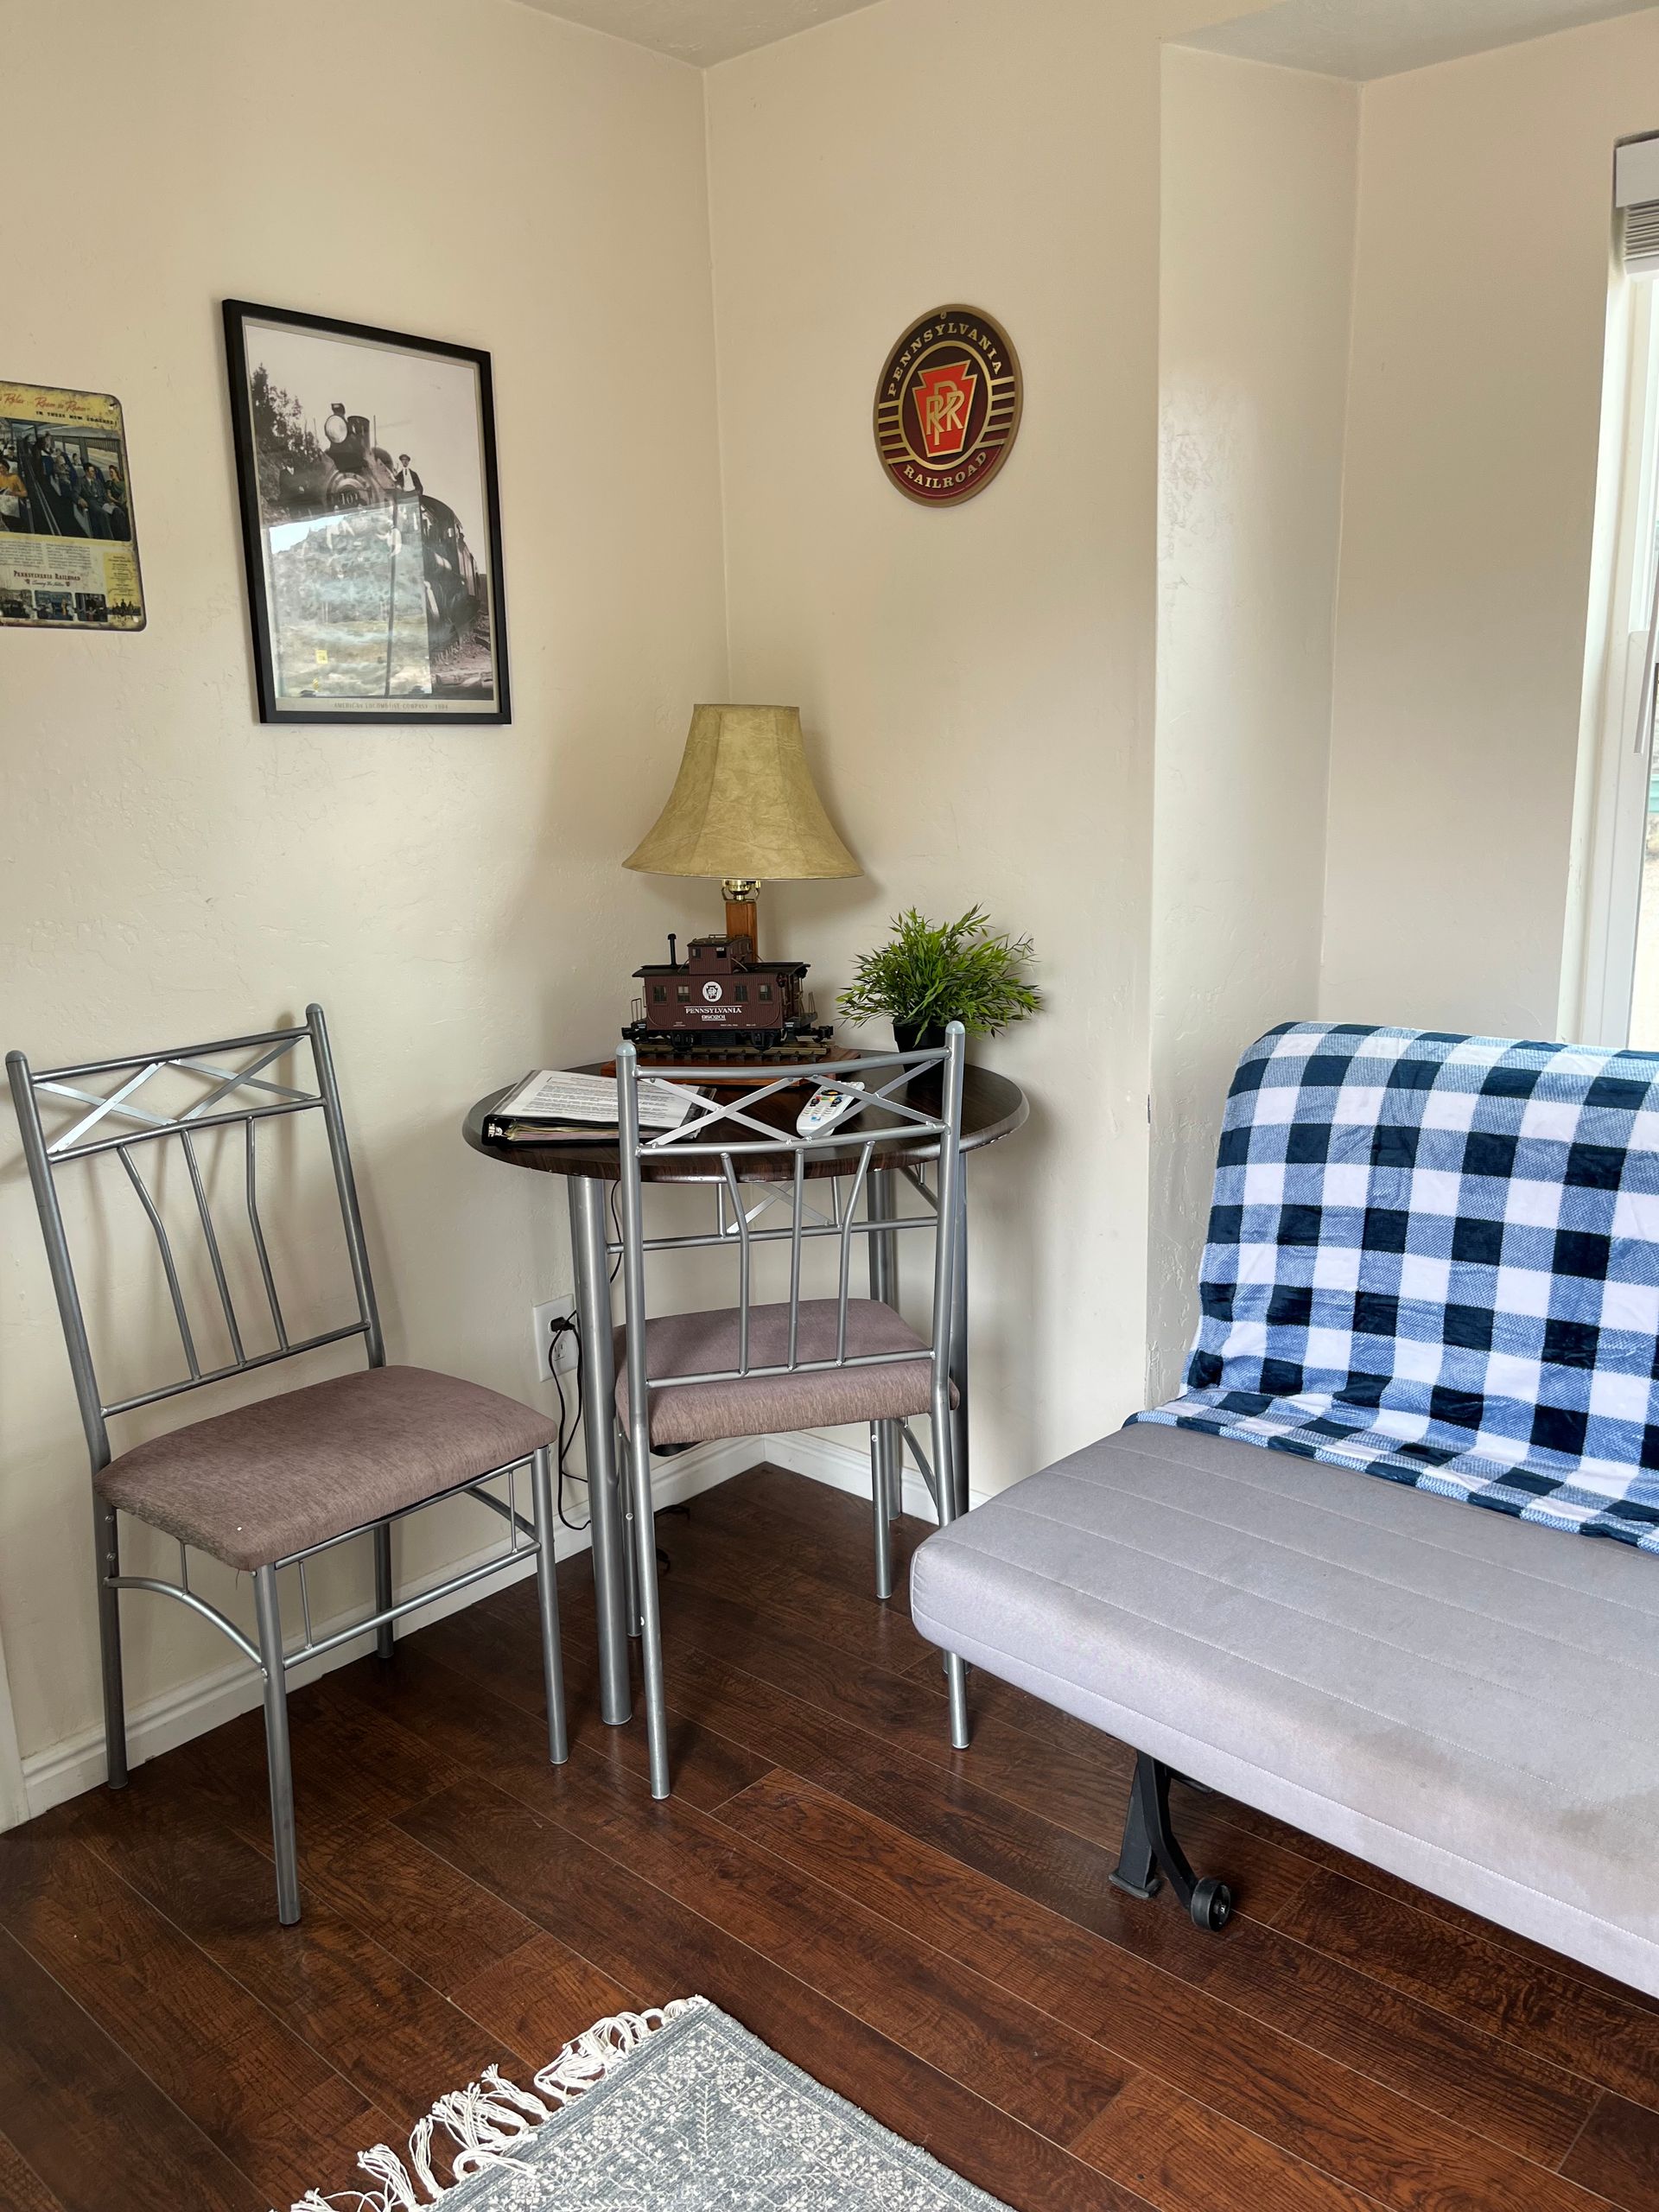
[(1150, 1850)]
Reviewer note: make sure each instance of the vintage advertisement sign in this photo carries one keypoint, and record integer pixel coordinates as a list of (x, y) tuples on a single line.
[(948, 406), (68, 553)]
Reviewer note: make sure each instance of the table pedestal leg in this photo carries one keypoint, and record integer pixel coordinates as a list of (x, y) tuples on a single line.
[(593, 1290)]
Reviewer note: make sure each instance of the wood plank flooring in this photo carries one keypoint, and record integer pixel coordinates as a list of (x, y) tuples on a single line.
[(931, 1934)]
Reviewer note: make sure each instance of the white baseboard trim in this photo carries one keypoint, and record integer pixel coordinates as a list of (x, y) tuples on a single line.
[(64, 1770), (847, 1467)]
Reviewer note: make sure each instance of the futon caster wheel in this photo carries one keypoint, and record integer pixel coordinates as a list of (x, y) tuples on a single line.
[(1212, 1905)]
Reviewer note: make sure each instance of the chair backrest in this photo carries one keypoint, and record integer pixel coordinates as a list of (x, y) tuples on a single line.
[(914, 1117), (85, 1100)]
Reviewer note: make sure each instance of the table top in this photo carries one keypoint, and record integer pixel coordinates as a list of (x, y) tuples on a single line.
[(993, 1106)]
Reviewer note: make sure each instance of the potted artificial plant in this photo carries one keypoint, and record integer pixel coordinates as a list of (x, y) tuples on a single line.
[(930, 973)]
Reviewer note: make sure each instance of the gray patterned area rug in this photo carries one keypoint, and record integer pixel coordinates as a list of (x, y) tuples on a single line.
[(673, 2110)]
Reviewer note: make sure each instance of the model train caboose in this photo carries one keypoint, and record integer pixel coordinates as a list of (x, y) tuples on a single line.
[(719, 998)]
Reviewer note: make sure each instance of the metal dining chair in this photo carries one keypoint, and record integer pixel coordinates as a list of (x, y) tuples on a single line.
[(279, 1483), (759, 1369)]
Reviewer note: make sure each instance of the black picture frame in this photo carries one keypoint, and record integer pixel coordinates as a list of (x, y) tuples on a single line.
[(445, 587)]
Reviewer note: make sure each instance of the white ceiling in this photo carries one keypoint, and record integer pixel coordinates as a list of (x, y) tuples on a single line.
[(1340, 38), (1379, 38), (700, 30)]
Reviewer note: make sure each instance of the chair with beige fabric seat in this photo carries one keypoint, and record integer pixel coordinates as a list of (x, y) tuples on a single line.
[(273, 1485), (818, 1394), (762, 1367)]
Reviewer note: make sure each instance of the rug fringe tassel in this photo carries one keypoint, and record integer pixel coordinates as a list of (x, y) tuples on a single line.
[(490, 2121)]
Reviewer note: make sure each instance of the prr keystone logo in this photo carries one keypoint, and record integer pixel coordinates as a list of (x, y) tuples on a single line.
[(948, 406)]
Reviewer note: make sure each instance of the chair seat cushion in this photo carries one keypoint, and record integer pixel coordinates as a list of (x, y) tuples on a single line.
[(1454, 1695), (752, 1405), (270, 1479)]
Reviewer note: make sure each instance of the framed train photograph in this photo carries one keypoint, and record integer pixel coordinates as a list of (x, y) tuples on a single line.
[(370, 521)]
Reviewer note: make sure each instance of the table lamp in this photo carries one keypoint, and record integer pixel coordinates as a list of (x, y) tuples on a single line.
[(744, 808)]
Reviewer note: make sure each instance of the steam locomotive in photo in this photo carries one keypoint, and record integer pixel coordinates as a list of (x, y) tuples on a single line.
[(454, 597), (358, 474), (720, 997)]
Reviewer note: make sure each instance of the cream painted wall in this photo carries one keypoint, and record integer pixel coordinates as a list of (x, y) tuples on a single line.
[(1254, 340), (1473, 419), (976, 684), (463, 169)]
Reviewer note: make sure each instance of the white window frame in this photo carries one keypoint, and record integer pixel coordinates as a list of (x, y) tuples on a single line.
[(1618, 700)]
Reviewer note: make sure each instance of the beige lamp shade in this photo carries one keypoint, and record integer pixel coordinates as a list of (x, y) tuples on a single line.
[(744, 805)]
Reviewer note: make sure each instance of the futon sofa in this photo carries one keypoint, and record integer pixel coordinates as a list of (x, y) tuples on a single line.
[(1379, 1570)]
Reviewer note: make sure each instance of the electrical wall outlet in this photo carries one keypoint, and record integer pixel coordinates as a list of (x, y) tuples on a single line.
[(543, 1319)]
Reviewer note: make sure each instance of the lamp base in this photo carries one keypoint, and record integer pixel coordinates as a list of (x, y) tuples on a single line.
[(742, 894)]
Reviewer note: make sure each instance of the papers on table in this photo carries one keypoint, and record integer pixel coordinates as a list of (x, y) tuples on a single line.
[(553, 1103)]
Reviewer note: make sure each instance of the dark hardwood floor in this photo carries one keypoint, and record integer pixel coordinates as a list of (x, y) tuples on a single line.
[(931, 1934)]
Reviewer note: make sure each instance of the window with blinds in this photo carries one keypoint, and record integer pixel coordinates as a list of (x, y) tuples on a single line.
[(1619, 998), (1635, 195)]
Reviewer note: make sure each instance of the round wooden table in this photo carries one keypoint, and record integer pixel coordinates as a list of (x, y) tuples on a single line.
[(992, 1107)]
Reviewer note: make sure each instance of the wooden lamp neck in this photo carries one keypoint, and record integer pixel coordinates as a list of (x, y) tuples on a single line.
[(741, 895)]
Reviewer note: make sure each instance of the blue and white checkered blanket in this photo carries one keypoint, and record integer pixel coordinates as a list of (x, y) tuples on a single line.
[(1436, 1259)]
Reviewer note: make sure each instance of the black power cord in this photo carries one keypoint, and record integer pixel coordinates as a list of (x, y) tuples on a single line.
[(563, 1325)]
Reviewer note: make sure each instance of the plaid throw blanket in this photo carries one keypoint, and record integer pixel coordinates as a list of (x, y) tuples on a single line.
[(1436, 1259)]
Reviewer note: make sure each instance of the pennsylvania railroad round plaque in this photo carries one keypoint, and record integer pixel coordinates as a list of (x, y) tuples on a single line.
[(947, 406)]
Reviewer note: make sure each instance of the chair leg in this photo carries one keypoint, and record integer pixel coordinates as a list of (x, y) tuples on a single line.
[(107, 1550), (541, 1481), (882, 1467), (630, 1548), (956, 1668), (650, 1625), (383, 1635), (277, 1761)]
